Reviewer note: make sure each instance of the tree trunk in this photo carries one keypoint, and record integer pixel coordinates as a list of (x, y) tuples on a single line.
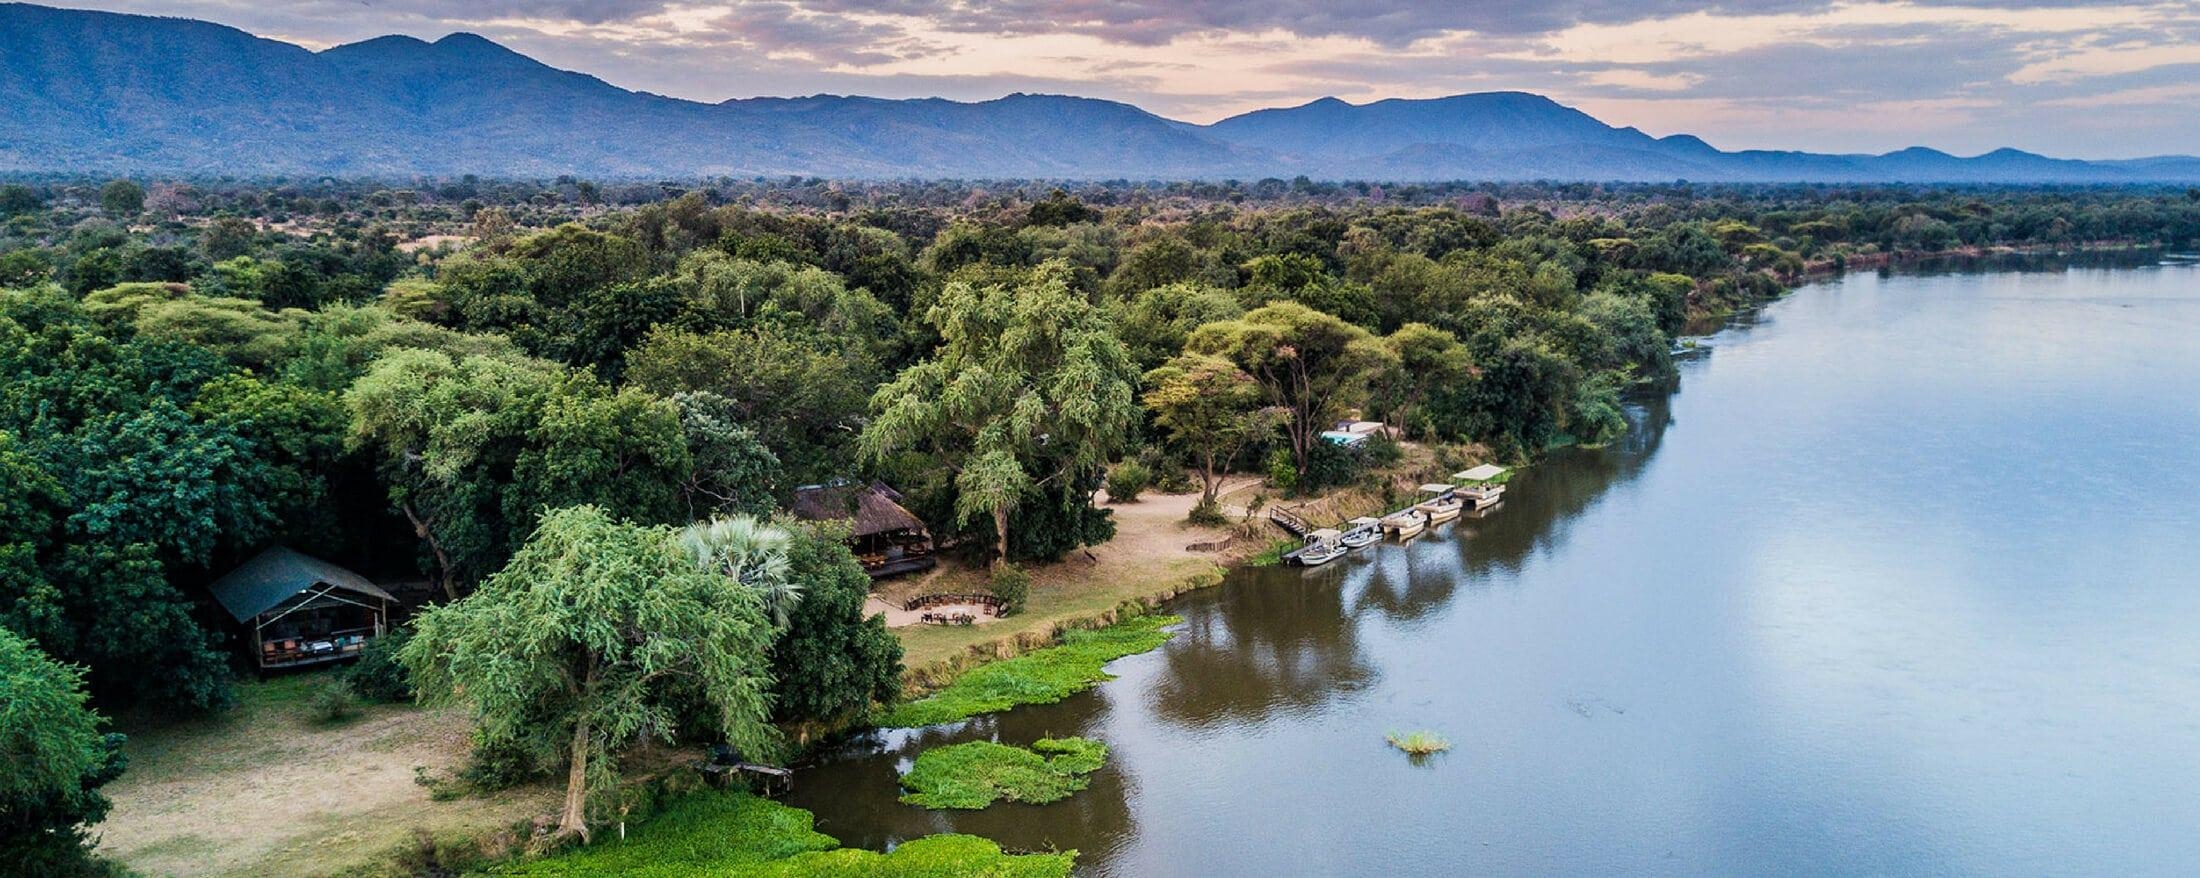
[(1000, 537), (442, 559), (575, 819)]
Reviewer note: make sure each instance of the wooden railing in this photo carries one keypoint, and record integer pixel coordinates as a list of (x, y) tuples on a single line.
[(1290, 521)]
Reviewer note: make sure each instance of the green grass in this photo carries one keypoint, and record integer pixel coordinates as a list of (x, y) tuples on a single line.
[(1273, 555), (977, 774), (736, 835), (1042, 676), (1421, 743)]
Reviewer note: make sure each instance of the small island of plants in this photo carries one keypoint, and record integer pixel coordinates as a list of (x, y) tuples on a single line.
[(979, 773)]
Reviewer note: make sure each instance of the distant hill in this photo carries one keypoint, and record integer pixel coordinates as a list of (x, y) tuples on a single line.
[(96, 91)]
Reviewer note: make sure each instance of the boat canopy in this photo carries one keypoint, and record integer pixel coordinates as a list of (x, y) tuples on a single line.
[(1324, 535), (1435, 489), (1481, 473), (1364, 521)]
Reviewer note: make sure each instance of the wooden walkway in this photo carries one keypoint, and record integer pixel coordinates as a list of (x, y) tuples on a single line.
[(1290, 521)]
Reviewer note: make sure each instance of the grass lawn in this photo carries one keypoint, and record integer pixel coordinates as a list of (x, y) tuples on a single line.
[(267, 789)]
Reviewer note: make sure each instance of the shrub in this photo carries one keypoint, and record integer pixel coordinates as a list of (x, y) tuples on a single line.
[(378, 676), (1283, 474), (334, 702), (1013, 586), (1128, 480), (1207, 513)]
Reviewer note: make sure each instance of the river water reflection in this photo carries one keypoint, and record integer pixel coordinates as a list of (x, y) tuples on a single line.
[(1905, 579)]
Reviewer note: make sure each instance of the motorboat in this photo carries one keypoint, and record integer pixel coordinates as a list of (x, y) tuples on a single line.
[(1361, 532), (1405, 524), (1482, 486), (1443, 503), (1322, 546)]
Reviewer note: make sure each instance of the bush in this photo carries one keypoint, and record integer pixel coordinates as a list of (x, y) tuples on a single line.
[(498, 765), (1207, 513), (1128, 480), (1013, 586), (1283, 473), (334, 702), (378, 675)]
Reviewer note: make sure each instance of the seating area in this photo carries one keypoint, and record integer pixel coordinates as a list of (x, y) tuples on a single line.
[(955, 609), (298, 650)]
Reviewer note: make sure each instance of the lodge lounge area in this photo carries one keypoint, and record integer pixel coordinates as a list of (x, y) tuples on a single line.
[(300, 610), (888, 539)]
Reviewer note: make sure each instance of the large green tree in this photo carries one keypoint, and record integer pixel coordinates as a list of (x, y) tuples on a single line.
[(1209, 409), (1311, 363), (57, 759), (598, 633), (1029, 390)]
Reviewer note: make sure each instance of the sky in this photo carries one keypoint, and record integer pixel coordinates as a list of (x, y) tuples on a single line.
[(2070, 79)]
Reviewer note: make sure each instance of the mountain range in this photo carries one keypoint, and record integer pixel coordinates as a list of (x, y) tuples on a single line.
[(106, 92)]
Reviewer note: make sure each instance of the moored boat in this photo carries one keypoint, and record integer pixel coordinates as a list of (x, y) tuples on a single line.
[(1482, 486), (1443, 503), (1405, 524), (1322, 546), (1361, 532)]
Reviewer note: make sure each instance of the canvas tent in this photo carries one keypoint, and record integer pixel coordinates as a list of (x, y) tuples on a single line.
[(302, 610)]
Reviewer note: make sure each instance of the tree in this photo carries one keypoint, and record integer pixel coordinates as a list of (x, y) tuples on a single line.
[(1211, 410), (1425, 358), (1029, 389), (1155, 323), (448, 433), (1312, 364), (833, 660), (122, 197), (746, 550), (597, 633), (57, 759), (17, 198)]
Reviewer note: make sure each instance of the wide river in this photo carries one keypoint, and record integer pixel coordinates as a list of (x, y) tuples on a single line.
[(1904, 580)]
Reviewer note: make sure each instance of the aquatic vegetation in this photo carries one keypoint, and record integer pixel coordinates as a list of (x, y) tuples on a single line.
[(1041, 676), (737, 835), (1419, 743), (977, 774)]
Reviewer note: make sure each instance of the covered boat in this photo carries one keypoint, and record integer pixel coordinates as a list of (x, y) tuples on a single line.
[(1482, 486), (1322, 546), (1362, 531), (1443, 503)]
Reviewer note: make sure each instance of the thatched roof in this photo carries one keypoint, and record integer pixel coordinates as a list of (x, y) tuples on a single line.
[(873, 508), (273, 576)]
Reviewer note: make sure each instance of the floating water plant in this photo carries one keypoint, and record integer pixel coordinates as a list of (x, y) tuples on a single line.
[(979, 773), (1042, 676), (1420, 743)]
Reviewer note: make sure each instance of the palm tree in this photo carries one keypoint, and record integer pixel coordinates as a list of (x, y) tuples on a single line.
[(750, 552)]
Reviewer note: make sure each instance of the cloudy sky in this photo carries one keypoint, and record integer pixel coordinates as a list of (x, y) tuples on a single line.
[(2079, 79)]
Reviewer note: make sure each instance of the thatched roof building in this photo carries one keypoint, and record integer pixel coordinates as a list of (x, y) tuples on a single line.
[(887, 538)]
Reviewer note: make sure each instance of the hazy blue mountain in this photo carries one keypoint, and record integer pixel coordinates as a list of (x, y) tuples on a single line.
[(96, 91)]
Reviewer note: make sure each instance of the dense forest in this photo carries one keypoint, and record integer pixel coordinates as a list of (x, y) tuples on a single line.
[(508, 387)]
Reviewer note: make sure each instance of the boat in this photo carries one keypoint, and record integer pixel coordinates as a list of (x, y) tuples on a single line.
[(1361, 532), (1482, 486), (1405, 524), (1443, 503), (1322, 546)]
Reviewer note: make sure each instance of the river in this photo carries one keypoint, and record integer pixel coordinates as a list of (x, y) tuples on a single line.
[(1904, 580)]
